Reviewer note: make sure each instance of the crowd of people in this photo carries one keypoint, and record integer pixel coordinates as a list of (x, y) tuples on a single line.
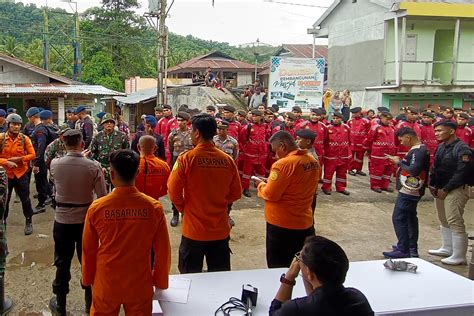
[(105, 186)]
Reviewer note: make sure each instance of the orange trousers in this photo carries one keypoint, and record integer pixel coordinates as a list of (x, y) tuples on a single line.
[(104, 308)]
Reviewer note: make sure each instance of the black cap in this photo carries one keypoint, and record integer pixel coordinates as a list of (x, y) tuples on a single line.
[(222, 124), (158, 109), (447, 123), (445, 108), (229, 108), (429, 114), (306, 133), (357, 109), (383, 109), (269, 111), (211, 108), (464, 116), (290, 115), (184, 115), (256, 113), (166, 106), (276, 107), (337, 114), (386, 114), (411, 109), (297, 109), (72, 132), (241, 112)]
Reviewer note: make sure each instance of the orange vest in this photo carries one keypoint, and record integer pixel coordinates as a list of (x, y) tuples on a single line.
[(20, 146), (152, 176)]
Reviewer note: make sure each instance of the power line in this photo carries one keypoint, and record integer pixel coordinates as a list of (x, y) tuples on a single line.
[(296, 4)]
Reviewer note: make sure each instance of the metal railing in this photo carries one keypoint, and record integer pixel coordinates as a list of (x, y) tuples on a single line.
[(429, 68)]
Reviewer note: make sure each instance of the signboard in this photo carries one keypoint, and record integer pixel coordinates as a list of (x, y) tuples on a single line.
[(296, 81)]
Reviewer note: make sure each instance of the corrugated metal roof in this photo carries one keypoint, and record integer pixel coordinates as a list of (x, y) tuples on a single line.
[(215, 60), (139, 96), (56, 89)]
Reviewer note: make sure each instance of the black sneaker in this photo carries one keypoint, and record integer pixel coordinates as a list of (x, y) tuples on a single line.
[(361, 173), (246, 193), (28, 227), (326, 192), (48, 201), (351, 172), (345, 192), (40, 208), (174, 221)]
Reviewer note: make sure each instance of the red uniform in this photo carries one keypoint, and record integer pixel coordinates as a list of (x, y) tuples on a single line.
[(380, 141), (254, 152), (234, 129), (429, 139), (285, 128), (360, 128), (300, 123), (270, 155), (161, 126), (337, 156), (464, 133), (171, 125), (403, 150), (320, 130)]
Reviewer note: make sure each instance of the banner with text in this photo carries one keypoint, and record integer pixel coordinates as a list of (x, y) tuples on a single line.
[(296, 81)]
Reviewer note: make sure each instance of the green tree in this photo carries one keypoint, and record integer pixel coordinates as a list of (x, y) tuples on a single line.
[(100, 70)]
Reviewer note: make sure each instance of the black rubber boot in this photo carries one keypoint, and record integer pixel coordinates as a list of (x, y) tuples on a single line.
[(57, 304)]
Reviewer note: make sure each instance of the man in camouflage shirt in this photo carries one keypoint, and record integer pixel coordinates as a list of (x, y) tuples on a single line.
[(57, 148), (105, 142), (179, 141)]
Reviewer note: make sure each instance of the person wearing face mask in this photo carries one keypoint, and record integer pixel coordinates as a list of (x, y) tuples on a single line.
[(288, 194)]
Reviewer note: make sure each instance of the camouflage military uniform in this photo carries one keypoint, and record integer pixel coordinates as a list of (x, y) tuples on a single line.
[(103, 145), (178, 142), (56, 149)]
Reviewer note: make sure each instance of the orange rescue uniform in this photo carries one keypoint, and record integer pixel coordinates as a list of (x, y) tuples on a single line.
[(119, 231), (19, 146), (203, 182), (290, 190), (152, 176)]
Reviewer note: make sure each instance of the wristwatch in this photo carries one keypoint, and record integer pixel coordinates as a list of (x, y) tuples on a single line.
[(286, 281)]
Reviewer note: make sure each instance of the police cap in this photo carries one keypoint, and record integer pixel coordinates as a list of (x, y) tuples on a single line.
[(150, 119), (386, 114), (211, 108), (241, 112), (306, 133), (383, 109), (3, 113), (166, 106), (222, 124), (70, 110), (100, 115), (357, 109)]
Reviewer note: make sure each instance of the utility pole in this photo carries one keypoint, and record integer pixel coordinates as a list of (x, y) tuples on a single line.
[(76, 46), (46, 39), (160, 12), (162, 35)]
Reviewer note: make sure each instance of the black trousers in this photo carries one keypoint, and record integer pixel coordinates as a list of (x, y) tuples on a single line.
[(22, 187), (282, 244), (67, 239), (192, 253), (43, 186)]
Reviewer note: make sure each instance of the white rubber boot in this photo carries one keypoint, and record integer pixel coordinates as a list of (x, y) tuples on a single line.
[(459, 250), (447, 247)]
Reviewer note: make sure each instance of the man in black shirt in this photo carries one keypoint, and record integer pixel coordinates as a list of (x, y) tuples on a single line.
[(323, 265), (449, 180), (412, 174)]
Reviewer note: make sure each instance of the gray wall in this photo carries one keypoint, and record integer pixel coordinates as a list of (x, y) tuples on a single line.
[(356, 66), (15, 74)]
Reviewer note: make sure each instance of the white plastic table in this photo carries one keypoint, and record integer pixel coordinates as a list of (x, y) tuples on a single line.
[(431, 291)]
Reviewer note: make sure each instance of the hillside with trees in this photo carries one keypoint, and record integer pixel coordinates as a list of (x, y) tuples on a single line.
[(115, 42)]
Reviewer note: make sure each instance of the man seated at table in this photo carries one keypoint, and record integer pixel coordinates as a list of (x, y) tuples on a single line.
[(323, 266)]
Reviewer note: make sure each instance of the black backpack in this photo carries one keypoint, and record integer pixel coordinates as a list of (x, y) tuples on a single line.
[(52, 134)]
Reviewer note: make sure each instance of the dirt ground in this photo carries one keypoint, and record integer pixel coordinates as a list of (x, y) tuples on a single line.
[(360, 223)]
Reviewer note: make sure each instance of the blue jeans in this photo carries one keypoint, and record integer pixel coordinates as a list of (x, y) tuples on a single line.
[(405, 222)]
